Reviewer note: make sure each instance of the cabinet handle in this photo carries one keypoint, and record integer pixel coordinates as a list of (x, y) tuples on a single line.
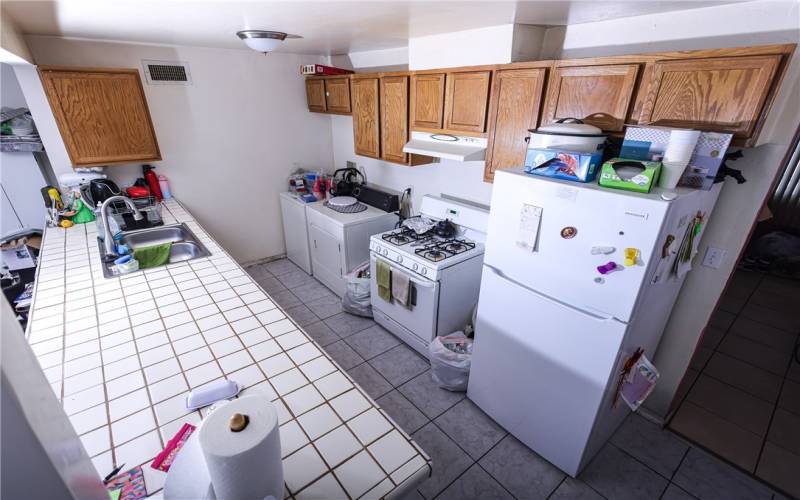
[(315, 243)]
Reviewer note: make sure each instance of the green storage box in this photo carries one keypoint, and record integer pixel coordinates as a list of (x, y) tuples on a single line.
[(633, 175)]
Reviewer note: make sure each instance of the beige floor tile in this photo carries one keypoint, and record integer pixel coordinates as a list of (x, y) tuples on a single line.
[(755, 353), (724, 438), (749, 378), (779, 467), (731, 404), (784, 430)]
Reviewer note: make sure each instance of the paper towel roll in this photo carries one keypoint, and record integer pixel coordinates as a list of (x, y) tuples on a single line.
[(244, 465)]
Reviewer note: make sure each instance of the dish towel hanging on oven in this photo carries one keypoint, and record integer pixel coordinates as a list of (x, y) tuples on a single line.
[(383, 277), (401, 287)]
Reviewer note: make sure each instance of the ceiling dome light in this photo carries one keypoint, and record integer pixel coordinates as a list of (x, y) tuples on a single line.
[(262, 41)]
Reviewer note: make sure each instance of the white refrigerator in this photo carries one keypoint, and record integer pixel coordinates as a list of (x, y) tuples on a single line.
[(553, 332)]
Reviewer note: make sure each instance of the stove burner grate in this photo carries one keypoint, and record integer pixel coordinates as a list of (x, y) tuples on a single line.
[(441, 250), (404, 236)]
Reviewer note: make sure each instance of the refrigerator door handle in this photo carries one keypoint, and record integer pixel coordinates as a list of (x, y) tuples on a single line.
[(595, 315)]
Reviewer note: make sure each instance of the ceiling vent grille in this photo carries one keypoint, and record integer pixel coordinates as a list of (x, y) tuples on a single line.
[(167, 73)]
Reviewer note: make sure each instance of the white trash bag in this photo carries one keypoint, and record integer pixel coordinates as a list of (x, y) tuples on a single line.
[(451, 358), (356, 295)]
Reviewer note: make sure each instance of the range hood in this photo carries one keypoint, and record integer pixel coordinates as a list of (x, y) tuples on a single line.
[(446, 146)]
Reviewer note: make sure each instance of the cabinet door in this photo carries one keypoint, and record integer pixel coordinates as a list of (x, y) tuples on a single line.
[(599, 95), (724, 94), (516, 100), (315, 95), (366, 128), (394, 118), (337, 94), (326, 252), (427, 101), (102, 115), (466, 101)]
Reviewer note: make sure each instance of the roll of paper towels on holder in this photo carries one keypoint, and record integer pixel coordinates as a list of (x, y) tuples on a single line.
[(242, 448), (237, 455)]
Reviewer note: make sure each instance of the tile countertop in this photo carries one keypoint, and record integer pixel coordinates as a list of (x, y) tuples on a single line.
[(121, 355)]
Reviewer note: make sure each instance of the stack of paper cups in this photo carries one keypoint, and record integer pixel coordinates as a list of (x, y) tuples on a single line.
[(242, 449), (677, 155)]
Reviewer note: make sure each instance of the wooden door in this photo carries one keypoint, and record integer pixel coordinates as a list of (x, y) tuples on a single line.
[(466, 101), (515, 104), (394, 118), (724, 94), (102, 115), (427, 101), (315, 95), (366, 126), (337, 95), (600, 95)]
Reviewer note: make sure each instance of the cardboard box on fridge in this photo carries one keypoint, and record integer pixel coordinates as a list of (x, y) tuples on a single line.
[(642, 143), (563, 164)]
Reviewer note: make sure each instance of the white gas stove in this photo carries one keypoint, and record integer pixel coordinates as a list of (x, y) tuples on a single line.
[(444, 270)]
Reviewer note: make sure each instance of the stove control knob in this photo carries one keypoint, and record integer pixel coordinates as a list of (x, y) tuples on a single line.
[(399, 258), (385, 252), (415, 266), (378, 248), (424, 270)]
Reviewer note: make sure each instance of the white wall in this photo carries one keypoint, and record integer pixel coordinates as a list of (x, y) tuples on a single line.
[(14, 48), (228, 141)]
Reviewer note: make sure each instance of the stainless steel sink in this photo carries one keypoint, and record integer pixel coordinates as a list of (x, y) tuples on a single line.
[(185, 245)]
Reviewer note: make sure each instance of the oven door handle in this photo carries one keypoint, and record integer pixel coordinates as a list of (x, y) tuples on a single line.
[(428, 284)]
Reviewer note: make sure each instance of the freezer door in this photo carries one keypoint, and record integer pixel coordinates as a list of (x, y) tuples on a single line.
[(541, 234), (540, 368)]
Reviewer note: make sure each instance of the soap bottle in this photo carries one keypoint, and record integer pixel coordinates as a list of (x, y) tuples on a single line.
[(163, 183)]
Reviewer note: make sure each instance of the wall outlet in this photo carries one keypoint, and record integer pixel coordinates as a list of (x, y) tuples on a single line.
[(714, 257)]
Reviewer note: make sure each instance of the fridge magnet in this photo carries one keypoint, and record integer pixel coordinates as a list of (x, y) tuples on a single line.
[(631, 256), (607, 267), (569, 232)]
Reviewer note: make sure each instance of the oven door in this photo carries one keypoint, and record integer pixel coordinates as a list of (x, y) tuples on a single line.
[(420, 318)]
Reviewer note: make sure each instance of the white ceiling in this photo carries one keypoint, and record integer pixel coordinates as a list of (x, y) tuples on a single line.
[(327, 27)]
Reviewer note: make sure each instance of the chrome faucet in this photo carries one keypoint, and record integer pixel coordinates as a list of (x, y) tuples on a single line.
[(108, 238)]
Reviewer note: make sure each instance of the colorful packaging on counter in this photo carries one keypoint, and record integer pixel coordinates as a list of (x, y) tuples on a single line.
[(561, 164)]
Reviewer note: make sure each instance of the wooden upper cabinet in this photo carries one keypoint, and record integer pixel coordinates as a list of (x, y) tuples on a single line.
[(514, 108), (337, 95), (394, 118), (724, 94), (599, 94), (466, 101), (102, 115), (427, 101), (366, 119), (315, 94)]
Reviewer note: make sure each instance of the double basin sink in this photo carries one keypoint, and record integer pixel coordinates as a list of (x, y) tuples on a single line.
[(185, 245)]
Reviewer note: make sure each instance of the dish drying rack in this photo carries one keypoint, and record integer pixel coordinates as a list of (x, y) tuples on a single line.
[(149, 206)]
